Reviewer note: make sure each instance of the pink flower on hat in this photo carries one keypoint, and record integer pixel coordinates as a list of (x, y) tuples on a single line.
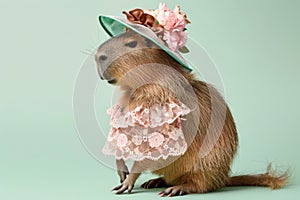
[(170, 23), (169, 19), (173, 22), (175, 39), (156, 139)]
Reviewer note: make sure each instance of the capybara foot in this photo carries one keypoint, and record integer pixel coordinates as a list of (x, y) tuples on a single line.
[(154, 183)]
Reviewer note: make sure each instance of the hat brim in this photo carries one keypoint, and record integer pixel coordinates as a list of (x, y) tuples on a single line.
[(114, 26)]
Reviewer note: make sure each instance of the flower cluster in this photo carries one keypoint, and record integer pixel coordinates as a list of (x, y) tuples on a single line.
[(173, 23)]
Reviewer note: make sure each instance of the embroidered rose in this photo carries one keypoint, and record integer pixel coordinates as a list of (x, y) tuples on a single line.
[(137, 140), (156, 139), (122, 140)]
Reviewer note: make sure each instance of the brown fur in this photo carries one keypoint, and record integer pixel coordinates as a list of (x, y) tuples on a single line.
[(189, 173)]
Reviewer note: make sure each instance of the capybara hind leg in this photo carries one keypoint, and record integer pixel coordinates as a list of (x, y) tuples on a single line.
[(192, 183), (154, 183)]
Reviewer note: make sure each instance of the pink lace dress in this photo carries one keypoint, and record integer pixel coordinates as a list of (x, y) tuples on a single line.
[(146, 132)]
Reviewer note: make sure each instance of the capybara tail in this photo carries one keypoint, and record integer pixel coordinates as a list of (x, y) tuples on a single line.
[(269, 179)]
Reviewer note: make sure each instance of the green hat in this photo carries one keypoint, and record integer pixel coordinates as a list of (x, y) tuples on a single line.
[(116, 25)]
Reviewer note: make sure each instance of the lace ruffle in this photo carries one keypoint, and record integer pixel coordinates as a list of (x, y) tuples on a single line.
[(151, 117), (146, 132)]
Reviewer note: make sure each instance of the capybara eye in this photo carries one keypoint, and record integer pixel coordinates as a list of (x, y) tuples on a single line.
[(102, 58), (131, 44)]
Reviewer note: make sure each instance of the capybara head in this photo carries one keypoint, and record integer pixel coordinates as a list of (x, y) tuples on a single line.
[(119, 55)]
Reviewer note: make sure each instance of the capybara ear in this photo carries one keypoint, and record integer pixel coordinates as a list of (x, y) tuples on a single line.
[(149, 43)]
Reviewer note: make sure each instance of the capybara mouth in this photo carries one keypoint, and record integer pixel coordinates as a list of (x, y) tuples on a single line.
[(112, 81)]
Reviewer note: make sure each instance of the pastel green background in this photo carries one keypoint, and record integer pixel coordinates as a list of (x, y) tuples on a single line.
[(255, 45)]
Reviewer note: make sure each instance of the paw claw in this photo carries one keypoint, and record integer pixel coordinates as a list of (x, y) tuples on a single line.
[(117, 187), (178, 190), (126, 185)]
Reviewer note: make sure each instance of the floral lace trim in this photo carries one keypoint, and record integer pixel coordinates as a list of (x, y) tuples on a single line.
[(137, 157), (146, 133), (131, 144), (153, 116)]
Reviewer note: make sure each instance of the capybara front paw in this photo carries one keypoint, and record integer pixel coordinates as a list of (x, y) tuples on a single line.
[(126, 185), (122, 175)]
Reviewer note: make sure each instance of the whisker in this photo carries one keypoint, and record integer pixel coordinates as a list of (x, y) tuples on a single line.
[(87, 53), (91, 49)]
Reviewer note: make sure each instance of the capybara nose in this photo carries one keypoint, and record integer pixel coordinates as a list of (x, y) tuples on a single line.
[(102, 58)]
